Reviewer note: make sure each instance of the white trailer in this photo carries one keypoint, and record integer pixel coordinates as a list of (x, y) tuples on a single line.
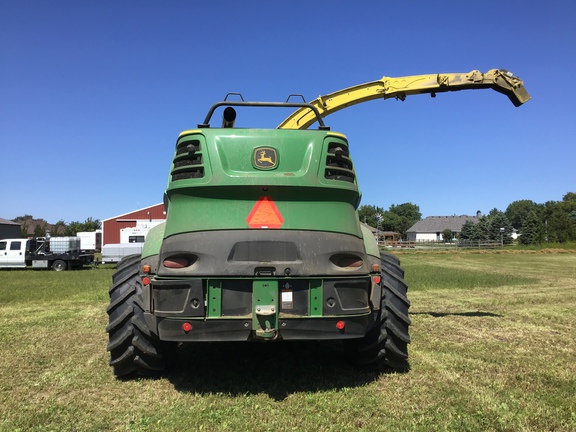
[(114, 252), (90, 240), (131, 242), (138, 233)]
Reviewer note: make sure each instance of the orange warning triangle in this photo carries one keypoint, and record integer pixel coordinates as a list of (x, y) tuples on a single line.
[(265, 214)]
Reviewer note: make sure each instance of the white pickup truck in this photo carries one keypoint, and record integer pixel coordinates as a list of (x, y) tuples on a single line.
[(57, 253)]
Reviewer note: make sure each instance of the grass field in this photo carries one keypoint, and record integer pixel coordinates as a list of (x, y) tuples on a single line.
[(493, 348)]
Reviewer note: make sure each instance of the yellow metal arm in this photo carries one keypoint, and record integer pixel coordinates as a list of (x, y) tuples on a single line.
[(500, 80)]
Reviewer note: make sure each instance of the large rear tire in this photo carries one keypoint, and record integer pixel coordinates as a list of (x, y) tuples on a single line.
[(385, 346), (133, 348)]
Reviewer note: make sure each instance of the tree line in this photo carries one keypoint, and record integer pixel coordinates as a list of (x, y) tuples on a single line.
[(553, 221), (495, 226), (398, 218), (39, 227)]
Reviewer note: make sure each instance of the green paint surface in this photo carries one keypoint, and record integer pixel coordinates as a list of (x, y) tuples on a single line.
[(229, 186), (214, 299)]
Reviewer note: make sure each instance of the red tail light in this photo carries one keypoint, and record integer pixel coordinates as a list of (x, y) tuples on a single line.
[(345, 261), (177, 262)]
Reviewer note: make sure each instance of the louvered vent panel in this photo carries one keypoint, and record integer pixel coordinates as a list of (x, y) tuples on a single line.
[(188, 162), (338, 164)]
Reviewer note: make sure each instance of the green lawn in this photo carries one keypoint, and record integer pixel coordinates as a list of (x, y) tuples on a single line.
[(492, 349)]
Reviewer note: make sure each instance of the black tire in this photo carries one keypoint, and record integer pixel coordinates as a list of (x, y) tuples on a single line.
[(59, 265), (133, 348), (385, 346)]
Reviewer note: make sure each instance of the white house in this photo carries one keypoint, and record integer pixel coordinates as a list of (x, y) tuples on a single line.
[(431, 228)]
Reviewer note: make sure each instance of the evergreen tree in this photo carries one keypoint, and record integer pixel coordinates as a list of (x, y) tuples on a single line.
[(481, 229), (498, 220), (468, 230), (488, 228), (24, 229), (40, 230), (530, 230)]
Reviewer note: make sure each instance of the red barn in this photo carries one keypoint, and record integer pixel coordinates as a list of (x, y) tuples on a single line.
[(111, 227)]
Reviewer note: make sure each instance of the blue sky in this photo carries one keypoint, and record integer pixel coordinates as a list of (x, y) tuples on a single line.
[(93, 95)]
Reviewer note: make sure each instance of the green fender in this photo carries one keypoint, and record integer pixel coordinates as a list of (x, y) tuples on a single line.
[(369, 242), (154, 241)]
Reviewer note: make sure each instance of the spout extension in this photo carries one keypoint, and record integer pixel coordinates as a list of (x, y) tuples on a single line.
[(399, 88)]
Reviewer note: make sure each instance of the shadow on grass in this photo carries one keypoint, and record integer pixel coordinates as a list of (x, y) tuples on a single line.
[(464, 314), (275, 369)]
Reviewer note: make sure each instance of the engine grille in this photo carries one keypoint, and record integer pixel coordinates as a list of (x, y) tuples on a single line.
[(338, 163), (188, 162)]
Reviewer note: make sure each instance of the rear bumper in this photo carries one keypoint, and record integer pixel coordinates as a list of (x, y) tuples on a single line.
[(227, 330), (187, 310)]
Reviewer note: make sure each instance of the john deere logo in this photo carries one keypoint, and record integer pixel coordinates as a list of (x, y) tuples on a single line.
[(265, 158)]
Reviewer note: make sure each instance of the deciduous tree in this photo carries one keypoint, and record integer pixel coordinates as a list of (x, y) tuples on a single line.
[(398, 218), (89, 224), (518, 210), (367, 214), (560, 228)]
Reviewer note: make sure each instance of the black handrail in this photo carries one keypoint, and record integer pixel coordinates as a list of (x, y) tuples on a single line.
[(227, 103)]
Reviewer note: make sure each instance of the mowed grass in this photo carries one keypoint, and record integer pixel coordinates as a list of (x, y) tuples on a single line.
[(492, 349)]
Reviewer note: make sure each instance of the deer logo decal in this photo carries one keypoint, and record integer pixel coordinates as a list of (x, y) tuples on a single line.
[(265, 158)]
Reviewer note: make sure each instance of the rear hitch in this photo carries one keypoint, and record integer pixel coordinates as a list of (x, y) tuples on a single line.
[(265, 309)]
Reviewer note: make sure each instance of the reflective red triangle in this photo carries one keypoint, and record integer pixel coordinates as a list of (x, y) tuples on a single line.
[(265, 214)]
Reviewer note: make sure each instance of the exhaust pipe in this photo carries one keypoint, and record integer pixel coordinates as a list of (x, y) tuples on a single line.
[(229, 117)]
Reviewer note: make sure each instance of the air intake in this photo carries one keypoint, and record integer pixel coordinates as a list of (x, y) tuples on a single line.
[(188, 162), (338, 163)]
